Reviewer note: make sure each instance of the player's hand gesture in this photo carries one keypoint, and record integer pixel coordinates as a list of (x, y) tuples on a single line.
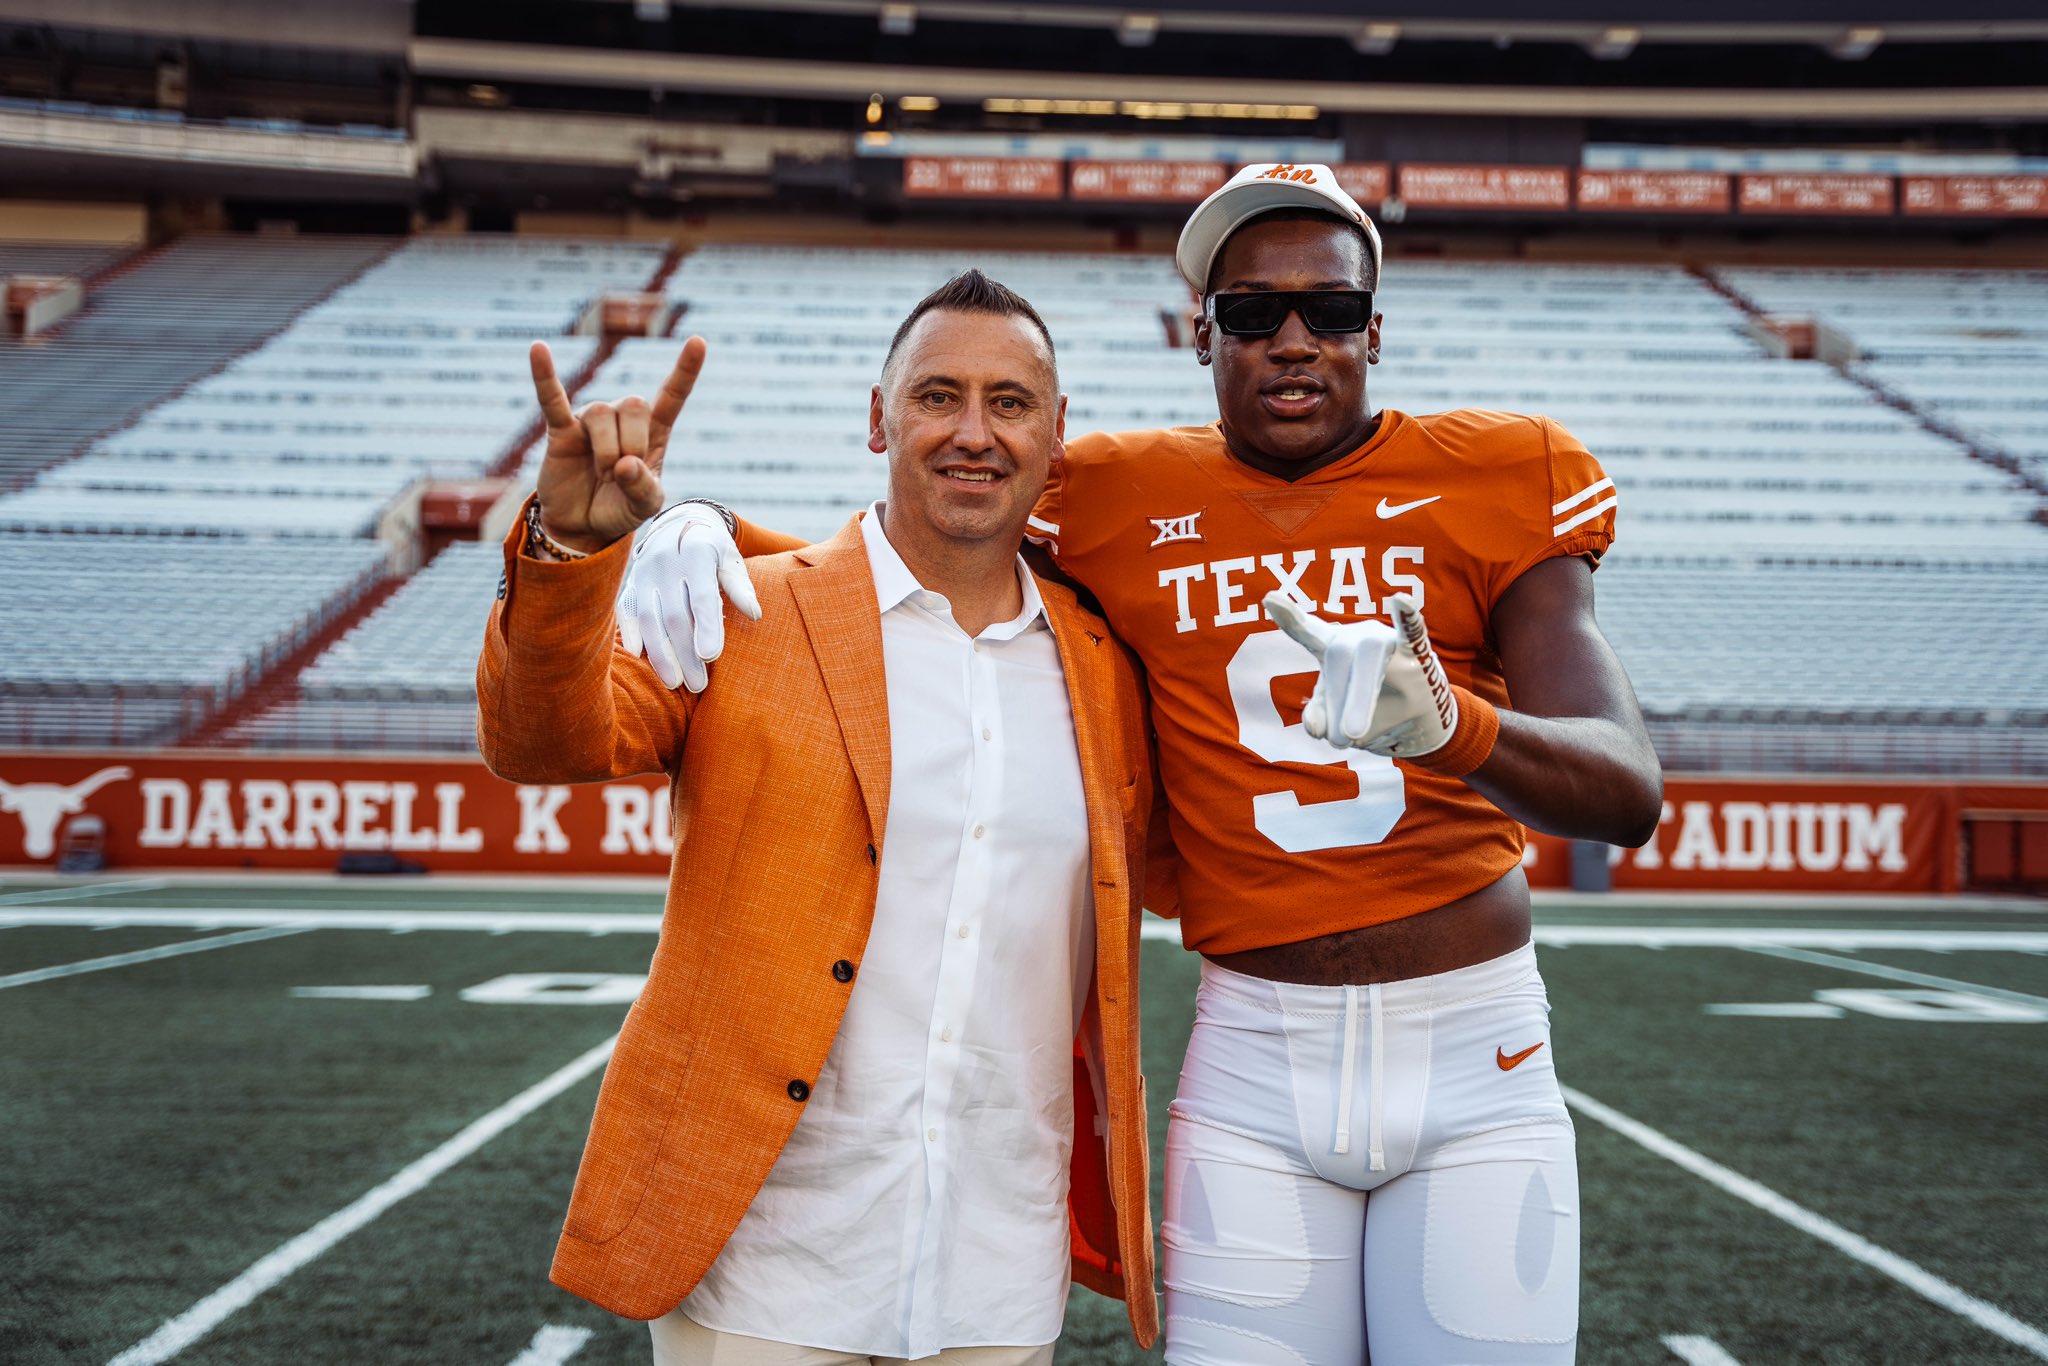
[(1380, 688), (601, 477)]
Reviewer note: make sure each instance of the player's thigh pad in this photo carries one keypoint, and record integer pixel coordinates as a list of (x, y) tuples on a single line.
[(1261, 1255), (1475, 1260)]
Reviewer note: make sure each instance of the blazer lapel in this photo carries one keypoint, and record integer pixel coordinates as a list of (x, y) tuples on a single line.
[(837, 601)]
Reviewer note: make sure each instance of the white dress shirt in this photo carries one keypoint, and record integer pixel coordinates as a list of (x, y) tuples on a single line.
[(921, 1201)]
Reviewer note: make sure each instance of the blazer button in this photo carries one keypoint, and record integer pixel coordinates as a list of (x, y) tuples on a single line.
[(799, 1090), (843, 970), (871, 853)]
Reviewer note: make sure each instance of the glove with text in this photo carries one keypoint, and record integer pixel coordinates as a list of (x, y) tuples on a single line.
[(1382, 689)]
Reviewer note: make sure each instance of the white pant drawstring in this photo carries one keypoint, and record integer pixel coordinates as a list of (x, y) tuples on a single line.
[(1342, 1143), (1375, 1134)]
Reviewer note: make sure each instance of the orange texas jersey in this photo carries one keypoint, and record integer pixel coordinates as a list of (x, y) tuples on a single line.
[(1282, 838)]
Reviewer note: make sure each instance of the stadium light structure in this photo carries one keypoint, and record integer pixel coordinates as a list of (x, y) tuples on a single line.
[(1138, 30), (1856, 44), (1375, 40), (898, 21), (918, 104), (1614, 44)]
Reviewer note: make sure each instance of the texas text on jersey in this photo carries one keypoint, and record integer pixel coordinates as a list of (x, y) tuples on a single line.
[(1280, 837)]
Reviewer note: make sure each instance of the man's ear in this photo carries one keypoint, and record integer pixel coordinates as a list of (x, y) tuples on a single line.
[(1203, 336), (877, 441), (1372, 340), (1059, 432)]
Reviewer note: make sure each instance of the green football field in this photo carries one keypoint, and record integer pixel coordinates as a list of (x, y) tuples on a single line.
[(298, 1121)]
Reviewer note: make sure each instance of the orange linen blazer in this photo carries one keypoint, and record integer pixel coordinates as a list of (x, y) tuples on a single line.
[(779, 786)]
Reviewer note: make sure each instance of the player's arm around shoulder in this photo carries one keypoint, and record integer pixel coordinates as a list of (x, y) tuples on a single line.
[(1573, 757)]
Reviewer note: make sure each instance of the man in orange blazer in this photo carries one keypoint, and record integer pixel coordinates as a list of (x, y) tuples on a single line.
[(881, 1096)]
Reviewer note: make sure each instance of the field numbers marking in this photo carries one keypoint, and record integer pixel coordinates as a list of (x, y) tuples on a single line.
[(1696, 1351), (1892, 974), (181, 1332), (122, 960), (1914, 1277), (1924, 1005), (552, 1345)]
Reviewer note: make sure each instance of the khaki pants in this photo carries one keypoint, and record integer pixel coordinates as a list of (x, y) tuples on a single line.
[(681, 1341)]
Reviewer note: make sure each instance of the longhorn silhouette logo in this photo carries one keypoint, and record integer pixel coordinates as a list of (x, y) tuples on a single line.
[(42, 805)]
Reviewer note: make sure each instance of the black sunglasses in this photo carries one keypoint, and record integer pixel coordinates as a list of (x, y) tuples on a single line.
[(1262, 314)]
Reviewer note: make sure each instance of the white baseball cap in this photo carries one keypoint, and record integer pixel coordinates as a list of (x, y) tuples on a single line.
[(1257, 189)]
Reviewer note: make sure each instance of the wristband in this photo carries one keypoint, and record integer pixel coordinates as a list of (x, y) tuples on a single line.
[(1471, 744), (541, 546)]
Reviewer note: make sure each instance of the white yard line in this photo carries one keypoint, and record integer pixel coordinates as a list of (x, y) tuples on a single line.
[(122, 960), (1892, 974), (1909, 1274), (148, 884), (1696, 1351), (181, 1332), (552, 1345)]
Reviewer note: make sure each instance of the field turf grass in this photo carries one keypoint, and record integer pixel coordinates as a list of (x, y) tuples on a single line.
[(168, 1121)]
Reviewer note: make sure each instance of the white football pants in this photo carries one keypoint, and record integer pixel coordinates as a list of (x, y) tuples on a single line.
[(1380, 1173)]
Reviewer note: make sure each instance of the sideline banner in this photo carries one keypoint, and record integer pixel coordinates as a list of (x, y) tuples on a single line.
[(1786, 835), (179, 809)]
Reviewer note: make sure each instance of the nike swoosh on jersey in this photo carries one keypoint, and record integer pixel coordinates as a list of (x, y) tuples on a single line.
[(1386, 509), (1508, 1062)]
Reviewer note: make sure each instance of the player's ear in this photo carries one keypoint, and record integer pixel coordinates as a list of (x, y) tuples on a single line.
[(1059, 432), (1372, 339), (877, 441), (1203, 336)]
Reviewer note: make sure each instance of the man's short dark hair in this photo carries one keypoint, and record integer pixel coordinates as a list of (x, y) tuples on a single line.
[(972, 292), (1296, 216)]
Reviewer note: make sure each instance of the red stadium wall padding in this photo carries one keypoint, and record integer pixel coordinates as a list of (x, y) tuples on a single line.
[(176, 809)]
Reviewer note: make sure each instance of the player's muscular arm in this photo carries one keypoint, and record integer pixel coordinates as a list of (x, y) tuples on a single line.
[(1573, 758)]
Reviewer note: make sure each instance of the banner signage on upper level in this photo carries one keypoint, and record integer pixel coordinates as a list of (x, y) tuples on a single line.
[(1975, 196), (1147, 182), (1368, 182), (1654, 192), (1431, 186), (1854, 195), (983, 178)]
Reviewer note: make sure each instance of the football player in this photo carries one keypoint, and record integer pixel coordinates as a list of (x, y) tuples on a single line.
[(1373, 660)]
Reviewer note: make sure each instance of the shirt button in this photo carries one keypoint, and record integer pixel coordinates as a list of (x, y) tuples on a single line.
[(980, 830), (799, 1090), (977, 647), (843, 970), (963, 931), (932, 1135), (946, 1034), (987, 734)]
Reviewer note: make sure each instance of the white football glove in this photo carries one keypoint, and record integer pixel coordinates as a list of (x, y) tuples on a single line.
[(1381, 689), (683, 570)]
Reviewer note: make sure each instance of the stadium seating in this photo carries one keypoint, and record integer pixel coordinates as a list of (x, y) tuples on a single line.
[(1965, 348), (292, 452), (146, 333), (112, 639)]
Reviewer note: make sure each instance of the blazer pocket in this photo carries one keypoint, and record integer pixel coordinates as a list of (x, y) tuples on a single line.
[(634, 1106)]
